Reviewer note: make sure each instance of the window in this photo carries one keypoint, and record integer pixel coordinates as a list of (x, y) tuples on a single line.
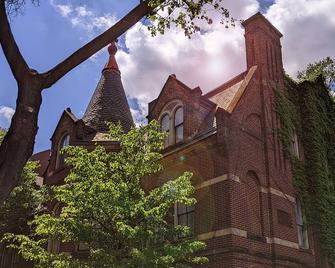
[(172, 122), (185, 216), (65, 141), (179, 125), (295, 145), (302, 229), (165, 126)]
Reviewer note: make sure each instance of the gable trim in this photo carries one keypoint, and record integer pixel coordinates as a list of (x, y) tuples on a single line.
[(242, 89)]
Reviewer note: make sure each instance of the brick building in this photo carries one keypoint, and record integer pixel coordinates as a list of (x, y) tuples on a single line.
[(247, 211)]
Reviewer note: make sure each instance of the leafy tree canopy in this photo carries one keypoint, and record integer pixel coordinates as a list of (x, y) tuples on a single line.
[(105, 207), (324, 67), (23, 202)]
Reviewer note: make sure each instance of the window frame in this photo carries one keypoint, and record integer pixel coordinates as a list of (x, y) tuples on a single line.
[(64, 141), (190, 216), (303, 239), (295, 145), (179, 125), (167, 139), (170, 109)]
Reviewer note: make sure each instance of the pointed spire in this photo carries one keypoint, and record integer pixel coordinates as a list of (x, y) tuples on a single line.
[(109, 102), (111, 64)]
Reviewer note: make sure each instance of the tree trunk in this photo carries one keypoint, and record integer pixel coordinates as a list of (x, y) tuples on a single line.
[(18, 144)]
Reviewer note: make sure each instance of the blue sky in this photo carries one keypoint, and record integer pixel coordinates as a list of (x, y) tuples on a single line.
[(50, 32)]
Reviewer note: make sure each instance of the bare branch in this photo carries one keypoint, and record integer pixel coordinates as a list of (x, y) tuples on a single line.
[(17, 64), (82, 54)]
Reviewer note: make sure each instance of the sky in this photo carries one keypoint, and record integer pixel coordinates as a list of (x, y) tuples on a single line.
[(50, 32)]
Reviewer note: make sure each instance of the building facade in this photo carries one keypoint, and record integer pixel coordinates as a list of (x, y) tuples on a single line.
[(247, 210)]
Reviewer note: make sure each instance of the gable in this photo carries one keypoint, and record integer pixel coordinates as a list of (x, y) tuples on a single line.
[(229, 96), (172, 89), (67, 118)]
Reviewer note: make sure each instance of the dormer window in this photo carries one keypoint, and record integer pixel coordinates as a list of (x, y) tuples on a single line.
[(179, 125), (172, 122), (65, 141), (165, 127)]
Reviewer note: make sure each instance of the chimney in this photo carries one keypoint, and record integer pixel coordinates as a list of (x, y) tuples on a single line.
[(263, 47)]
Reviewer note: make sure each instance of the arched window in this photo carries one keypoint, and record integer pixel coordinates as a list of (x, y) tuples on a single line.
[(179, 125), (165, 127), (65, 141)]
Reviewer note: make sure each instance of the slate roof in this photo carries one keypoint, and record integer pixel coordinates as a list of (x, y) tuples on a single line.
[(109, 102), (227, 95)]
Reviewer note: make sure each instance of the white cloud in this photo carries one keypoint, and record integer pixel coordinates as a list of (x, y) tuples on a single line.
[(138, 116), (308, 27), (64, 10), (207, 60), (6, 114), (216, 55), (82, 18)]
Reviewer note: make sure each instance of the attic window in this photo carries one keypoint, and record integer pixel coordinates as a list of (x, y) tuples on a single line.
[(65, 141), (179, 125), (172, 122), (165, 127)]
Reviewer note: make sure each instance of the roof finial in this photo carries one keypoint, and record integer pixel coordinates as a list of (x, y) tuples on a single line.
[(112, 49), (111, 65)]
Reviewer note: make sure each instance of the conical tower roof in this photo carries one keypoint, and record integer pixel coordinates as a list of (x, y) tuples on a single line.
[(109, 102)]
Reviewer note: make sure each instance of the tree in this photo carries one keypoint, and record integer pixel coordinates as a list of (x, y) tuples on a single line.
[(105, 207), (324, 67), (18, 143), (23, 203)]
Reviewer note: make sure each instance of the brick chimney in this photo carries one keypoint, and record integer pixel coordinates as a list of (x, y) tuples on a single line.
[(263, 47)]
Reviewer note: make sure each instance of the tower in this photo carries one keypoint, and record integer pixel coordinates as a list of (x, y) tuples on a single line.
[(263, 47), (109, 102)]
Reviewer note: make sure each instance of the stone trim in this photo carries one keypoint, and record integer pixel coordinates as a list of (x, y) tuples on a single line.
[(223, 232), (217, 180), (237, 179), (243, 233), (282, 242), (278, 193)]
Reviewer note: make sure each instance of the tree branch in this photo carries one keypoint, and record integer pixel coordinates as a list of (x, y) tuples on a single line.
[(82, 54), (17, 64)]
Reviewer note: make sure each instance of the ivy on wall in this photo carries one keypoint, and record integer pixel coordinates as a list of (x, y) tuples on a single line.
[(307, 109)]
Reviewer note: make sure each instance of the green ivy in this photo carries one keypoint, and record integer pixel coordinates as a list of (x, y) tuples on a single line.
[(308, 110)]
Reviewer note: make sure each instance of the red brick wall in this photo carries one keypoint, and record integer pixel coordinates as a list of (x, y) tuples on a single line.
[(247, 150)]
